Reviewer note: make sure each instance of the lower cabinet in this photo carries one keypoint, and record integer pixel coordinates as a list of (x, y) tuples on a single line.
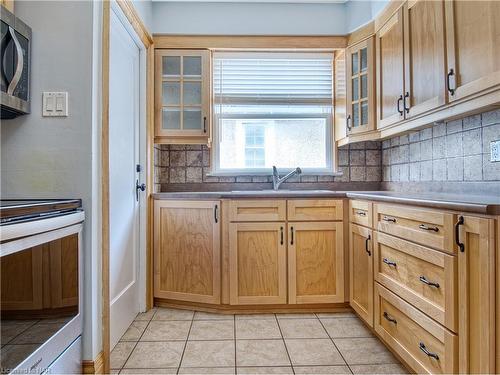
[(315, 262), (361, 271), (187, 250), (257, 263)]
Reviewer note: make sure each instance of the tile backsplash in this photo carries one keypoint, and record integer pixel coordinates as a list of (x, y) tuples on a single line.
[(187, 167), (454, 151)]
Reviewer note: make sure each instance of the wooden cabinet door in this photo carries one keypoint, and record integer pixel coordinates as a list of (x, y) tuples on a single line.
[(257, 263), (182, 95), (361, 272), (476, 295), (360, 87), (187, 251), (473, 46), (424, 56), (390, 71), (315, 262), (62, 258)]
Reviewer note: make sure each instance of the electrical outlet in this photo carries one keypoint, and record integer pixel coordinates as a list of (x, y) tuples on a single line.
[(495, 150)]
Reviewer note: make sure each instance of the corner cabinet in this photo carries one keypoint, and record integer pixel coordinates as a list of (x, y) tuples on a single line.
[(182, 96), (187, 250), (360, 87)]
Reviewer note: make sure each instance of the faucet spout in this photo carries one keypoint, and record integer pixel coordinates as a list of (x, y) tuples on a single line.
[(277, 181)]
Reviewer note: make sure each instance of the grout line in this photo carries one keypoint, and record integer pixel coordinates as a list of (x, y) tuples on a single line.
[(139, 339), (284, 343), (234, 335), (185, 344), (333, 342)]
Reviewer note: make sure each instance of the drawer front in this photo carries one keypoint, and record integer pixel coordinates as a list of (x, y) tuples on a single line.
[(360, 212), (315, 209), (427, 227), (425, 345), (424, 277), (257, 210)]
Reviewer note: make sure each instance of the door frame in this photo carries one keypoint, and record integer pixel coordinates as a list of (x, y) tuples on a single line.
[(131, 20)]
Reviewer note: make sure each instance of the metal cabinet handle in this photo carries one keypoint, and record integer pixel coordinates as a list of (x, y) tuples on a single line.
[(291, 235), (426, 227), (450, 74), (407, 99), (398, 105), (427, 282), (390, 219), (389, 262), (281, 231), (216, 215), (204, 124), (348, 122), (366, 245), (457, 233), (361, 213), (390, 318), (422, 347)]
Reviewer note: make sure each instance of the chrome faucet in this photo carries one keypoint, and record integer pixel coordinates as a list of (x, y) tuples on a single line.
[(277, 181)]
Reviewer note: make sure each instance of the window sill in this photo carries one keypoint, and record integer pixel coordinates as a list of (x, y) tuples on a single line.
[(281, 172)]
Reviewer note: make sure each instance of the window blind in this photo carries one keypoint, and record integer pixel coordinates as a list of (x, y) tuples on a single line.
[(279, 78)]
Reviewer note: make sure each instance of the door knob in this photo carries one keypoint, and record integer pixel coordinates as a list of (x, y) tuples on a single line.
[(138, 187)]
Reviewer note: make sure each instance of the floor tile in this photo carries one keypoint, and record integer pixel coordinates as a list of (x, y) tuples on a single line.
[(364, 351), (156, 355), (212, 330), (311, 352), (148, 315), (261, 353), (265, 370), (302, 329), (120, 353), (11, 329), (134, 332), (173, 314), (12, 355), (166, 330), (37, 334), (208, 354), (346, 314), (296, 316), (147, 371), (321, 370), (257, 329), (201, 315), (391, 368), (345, 327), (207, 370), (254, 316)]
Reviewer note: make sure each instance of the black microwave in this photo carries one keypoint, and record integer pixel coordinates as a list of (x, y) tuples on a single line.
[(15, 66)]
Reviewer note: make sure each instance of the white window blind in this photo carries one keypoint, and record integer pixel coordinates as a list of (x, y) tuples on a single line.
[(278, 78)]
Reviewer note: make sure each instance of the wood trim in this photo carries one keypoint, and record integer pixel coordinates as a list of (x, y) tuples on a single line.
[(361, 33), (249, 42), (133, 17), (95, 366), (8, 4), (387, 13)]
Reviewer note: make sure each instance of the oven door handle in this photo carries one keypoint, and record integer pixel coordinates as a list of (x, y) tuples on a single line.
[(20, 63)]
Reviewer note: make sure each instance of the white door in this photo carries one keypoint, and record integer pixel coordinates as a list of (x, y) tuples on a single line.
[(124, 207)]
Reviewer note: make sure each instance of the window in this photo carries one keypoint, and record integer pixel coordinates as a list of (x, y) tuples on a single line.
[(272, 109)]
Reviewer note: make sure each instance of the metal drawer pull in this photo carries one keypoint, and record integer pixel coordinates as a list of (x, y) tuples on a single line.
[(391, 219), (424, 349), (427, 282), (281, 230), (361, 213), (457, 233), (216, 214), (425, 227), (389, 318), (366, 245), (291, 235), (389, 263)]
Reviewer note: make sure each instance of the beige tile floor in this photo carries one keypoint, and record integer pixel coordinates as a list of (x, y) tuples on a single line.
[(170, 341)]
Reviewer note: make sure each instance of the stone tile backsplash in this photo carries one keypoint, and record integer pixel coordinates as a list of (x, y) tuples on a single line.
[(454, 151)]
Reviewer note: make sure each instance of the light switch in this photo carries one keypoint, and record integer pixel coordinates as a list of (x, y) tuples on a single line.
[(55, 104)]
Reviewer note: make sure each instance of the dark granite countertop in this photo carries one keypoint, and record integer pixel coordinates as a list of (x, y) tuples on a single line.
[(480, 204)]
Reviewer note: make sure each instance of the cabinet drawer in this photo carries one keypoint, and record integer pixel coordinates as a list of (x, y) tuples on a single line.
[(257, 210), (427, 227), (425, 345), (360, 212), (315, 209), (423, 277)]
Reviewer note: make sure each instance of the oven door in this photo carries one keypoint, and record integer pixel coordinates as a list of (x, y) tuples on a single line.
[(41, 298)]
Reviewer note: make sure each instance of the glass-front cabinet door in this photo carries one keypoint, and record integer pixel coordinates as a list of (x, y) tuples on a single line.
[(182, 96), (360, 86)]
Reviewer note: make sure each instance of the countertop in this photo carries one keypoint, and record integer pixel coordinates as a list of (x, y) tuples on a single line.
[(481, 204)]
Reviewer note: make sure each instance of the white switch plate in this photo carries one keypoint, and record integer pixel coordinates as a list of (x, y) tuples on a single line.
[(495, 150), (55, 104)]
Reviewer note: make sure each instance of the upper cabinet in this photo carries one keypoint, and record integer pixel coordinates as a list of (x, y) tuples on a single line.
[(360, 87), (182, 96), (473, 47)]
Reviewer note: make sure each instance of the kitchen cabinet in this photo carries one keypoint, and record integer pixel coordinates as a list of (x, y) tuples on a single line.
[(182, 96), (315, 262), (257, 263), (187, 250), (472, 40), (361, 271), (360, 87), (476, 294)]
